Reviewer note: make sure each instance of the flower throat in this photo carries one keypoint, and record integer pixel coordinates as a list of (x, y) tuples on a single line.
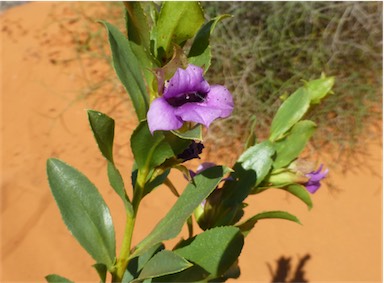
[(186, 98)]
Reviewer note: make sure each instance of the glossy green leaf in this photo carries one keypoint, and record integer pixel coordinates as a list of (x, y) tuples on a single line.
[(54, 278), (171, 225), (289, 113), (214, 250), (83, 210), (103, 128), (258, 158), (300, 192), (128, 69), (292, 145), (248, 225), (137, 24), (319, 88), (152, 150), (200, 52), (101, 271), (177, 22), (136, 264), (163, 263)]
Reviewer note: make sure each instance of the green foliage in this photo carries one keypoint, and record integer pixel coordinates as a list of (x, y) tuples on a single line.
[(152, 150), (177, 22), (170, 226), (163, 263), (289, 113), (54, 278), (101, 271), (289, 148), (248, 225), (103, 128), (214, 250), (259, 159), (83, 210), (200, 51), (128, 69)]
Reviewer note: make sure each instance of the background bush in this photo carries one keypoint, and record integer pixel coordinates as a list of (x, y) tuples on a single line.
[(267, 48)]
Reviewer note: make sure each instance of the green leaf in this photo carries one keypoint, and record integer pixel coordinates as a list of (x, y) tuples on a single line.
[(200, 52), (258, 158), (299, 192), (137, 24), (128, 69), (163, 263), (289, 113), (83, 210), (54, 278), (101, 271), (318, 89), (193, 134), (171, 225), (214, 250), (136, 264), (177, 22), (152, 150), (103, 128), (248, 225), (292, 145)]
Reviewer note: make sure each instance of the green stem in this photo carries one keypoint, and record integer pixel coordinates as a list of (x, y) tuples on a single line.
[(123, 260)]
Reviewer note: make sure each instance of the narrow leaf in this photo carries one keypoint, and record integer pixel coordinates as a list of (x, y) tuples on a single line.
[(137, 24), (248, 225), (103, 128), (171, 225), (290, 112), (292, 145), (128, 69), (163, 263), (83, 210), (54, 278), (299, 192), (101, 271)]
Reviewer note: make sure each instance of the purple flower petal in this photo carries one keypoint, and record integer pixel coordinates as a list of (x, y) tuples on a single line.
[(186, 81), (189, 98), (313, 184), (161, 116), (218, 103)]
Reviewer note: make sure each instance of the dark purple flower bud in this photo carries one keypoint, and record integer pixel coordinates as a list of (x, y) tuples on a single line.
[(313, 184), (192, 151), (189, 98)]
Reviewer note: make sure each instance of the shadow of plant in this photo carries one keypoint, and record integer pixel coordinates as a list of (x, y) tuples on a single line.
[(285, 273)]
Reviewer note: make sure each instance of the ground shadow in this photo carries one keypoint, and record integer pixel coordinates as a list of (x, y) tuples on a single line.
[(284, 272)]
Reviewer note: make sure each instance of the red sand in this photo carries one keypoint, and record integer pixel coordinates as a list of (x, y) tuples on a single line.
[(43, 115)]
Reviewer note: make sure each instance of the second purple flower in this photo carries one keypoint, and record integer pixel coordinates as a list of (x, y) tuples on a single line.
[(189, 98)]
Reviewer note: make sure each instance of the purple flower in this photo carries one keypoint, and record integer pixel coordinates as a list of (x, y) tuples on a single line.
[(192, 151), (189, 98), (313, 184)]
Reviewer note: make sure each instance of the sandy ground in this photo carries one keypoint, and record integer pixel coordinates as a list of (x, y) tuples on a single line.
[(44, 93)]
